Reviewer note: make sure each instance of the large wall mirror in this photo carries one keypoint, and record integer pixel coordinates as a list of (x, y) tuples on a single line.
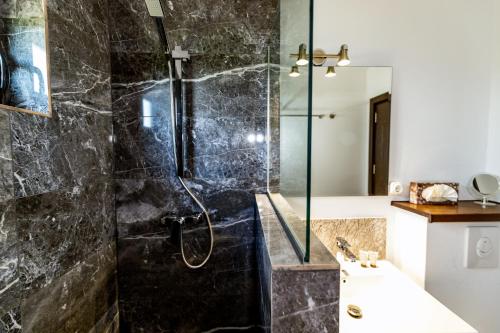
[(24, 67), (350, 135), (351, 139)]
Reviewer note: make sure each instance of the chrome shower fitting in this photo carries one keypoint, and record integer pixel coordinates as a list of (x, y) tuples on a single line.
[(178, 56)]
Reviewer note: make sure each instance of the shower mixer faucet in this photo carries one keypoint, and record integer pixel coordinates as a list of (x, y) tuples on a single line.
[(344, 246)]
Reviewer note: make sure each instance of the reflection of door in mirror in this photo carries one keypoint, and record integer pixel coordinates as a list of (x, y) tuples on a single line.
[(380, 131)]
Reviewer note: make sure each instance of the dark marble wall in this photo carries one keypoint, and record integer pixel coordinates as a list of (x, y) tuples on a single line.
[(57, 232), (226, 97)]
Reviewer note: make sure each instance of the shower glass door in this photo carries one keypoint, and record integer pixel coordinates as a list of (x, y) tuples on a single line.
[(289, 121)]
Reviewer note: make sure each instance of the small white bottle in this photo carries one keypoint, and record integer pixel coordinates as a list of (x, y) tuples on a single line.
[(373, 256), (363, 258)]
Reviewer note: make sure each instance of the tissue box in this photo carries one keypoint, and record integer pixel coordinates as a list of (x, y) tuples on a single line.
[(416, 190)]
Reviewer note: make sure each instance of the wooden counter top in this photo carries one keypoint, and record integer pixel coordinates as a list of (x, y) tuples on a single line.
[(465, 211)]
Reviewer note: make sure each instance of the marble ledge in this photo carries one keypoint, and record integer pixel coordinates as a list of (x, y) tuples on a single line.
[(293, 295), (280, 250)]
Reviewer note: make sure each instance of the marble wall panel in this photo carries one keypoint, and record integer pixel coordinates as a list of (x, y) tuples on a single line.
[(58, 229), (9, 281), (57, 226), (305, 301), (150, 262), (77, 301), (80, 78), (6, 178)]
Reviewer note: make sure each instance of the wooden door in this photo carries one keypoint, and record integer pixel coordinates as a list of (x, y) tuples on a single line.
[(380, 133)]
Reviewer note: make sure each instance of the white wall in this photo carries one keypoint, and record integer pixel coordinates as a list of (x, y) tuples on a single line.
[(473, 294), (445, 119), (340, 146), (441, 55), (432, 254), (493, 163), (407, 243), (341, 208)]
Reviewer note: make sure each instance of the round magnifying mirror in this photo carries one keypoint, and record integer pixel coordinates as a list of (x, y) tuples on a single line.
[(486, 185)]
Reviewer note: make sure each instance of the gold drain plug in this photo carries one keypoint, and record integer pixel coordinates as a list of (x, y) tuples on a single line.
[(354, 311)]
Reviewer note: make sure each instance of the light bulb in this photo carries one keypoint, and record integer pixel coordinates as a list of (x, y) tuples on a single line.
[(330, 72), (302, 58), (294, 72), (344, 56)]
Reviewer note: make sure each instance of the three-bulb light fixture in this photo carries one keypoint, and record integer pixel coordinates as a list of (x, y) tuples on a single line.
[(319, 58)]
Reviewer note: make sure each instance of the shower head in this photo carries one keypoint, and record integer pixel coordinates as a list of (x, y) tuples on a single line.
[(154, 8)]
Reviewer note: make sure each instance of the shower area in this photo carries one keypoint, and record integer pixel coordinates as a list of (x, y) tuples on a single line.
[(190, 82), (130, 206)]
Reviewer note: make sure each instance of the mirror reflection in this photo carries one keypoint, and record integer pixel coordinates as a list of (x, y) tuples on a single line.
[(486, 185), (24, 79), (351, 132)]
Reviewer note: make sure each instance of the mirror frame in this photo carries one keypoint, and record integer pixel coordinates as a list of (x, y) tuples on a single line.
[(49, 86)]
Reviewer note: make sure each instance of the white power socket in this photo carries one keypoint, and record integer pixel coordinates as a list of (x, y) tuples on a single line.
[(482, 247), (395, 188)]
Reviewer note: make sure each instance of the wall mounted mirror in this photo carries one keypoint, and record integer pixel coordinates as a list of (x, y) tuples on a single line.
[(350, 143), (486, 185), (24, 67), (351, 126)]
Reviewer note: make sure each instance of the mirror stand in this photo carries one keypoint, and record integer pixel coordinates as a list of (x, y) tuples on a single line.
[(485, 203)]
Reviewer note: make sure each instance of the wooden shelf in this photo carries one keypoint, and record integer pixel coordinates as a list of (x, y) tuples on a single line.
[(465, 211)]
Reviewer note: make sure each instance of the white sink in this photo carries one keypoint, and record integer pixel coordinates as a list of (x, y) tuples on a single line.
[(392, 303)]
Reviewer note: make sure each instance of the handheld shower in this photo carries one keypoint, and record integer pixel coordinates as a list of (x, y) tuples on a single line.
[(177, 56)]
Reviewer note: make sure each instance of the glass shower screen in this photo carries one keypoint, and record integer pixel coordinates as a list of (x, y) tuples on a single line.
[(289, 121)]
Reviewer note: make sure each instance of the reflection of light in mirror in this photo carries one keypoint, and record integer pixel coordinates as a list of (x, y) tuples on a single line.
[(251, 138), (260, 138), (40, 62), (147, 113), (36, 83)]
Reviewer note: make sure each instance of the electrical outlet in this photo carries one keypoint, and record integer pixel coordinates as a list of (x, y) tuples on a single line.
[(482, 247), (395, 188)]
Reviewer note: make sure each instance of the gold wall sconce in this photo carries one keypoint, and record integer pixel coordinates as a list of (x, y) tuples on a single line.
[(319, 58)]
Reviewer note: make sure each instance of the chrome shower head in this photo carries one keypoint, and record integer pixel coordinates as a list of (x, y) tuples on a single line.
[(154, 8)]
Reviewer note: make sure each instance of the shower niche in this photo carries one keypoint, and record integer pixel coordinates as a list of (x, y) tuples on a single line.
[(24, 60)]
